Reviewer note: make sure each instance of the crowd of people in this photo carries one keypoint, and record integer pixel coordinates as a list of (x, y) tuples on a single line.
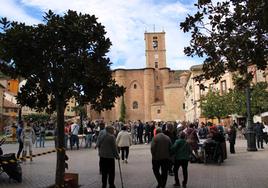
[(173, 144)]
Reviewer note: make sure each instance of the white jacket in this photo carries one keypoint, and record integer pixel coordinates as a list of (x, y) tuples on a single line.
[(123, 139), (28, 134)]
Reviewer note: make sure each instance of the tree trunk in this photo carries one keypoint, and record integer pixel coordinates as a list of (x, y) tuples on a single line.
[(60, 166)]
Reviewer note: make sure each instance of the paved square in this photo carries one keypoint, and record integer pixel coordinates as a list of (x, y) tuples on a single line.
[(241, 170)]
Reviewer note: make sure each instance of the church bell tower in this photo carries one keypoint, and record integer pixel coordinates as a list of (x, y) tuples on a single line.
[(155, 50)]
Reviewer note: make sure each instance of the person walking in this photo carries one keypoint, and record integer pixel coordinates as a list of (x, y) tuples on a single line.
[(124, 141), (20, 141), (171, 133), (42, 135), (88, 132), (66, 134), (193, 140), (232, 138), (108, 152), (182, 151), (160, 150), (259, 134), (74, 135), (140, 131), (28, 137), (147, 136)]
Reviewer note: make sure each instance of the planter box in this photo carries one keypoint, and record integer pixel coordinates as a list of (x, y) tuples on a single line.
[(71, 180)]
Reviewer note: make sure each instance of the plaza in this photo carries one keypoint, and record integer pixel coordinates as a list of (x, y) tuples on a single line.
[(241, 170)]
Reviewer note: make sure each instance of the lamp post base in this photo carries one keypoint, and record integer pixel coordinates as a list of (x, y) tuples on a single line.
[(251, 139)]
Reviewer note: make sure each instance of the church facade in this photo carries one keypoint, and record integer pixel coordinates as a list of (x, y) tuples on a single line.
[(152, 93)]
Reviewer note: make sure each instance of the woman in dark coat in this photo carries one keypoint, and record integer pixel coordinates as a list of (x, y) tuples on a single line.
[(232, 138), (193, 140)]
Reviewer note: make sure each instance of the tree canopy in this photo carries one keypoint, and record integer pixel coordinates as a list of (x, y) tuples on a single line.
[(234, 102), (214, 105), (63, 57), (231, 35)]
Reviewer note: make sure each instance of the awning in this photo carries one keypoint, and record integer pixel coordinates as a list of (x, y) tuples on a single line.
[(264, 114)]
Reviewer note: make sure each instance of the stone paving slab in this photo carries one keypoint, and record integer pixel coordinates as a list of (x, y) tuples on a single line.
[(241, 170)]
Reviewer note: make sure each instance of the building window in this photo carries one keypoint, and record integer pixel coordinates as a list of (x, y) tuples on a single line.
[(157, 87), (223, 86), (155, 44), (183, 106), (135, 105), (156, 56), (135, 86), (156, 77), (155, 37), (156, 65), (68, 108), (156, 99), (158, 111)]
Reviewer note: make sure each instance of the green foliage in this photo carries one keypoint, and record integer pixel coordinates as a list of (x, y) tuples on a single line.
[(61, 58), (37, 117), (122, 110), (213, 105), (64, 57), (259, 102), (231, 35), (234, 102)]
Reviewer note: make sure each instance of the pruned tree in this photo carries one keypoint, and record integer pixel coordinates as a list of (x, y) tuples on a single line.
[(61, 58), (231, 35), (214, 105)]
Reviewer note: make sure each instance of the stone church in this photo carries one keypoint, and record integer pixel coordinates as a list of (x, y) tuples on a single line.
[(152, 93)]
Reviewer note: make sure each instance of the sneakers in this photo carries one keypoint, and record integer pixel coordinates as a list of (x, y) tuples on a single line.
[(126, 161)]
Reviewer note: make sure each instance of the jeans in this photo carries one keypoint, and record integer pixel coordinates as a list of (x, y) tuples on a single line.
[(74, 140), (88, 140), (41, 141)]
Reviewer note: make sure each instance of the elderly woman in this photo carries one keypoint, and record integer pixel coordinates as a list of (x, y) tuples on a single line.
[(124, 141)]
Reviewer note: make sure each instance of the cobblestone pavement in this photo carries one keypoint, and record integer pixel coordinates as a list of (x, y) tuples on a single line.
[(241, 170)]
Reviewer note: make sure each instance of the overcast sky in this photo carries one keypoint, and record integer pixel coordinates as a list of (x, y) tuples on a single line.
[(125, 22)]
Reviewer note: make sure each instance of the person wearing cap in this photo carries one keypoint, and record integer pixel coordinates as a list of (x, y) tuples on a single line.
[(160, 150)]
